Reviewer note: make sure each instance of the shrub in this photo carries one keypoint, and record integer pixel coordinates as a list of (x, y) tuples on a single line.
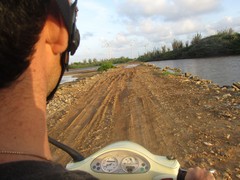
[(105, 66), (196, 39)]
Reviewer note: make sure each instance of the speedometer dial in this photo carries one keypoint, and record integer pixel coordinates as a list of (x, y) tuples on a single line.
[(109, 164), (130, 164)]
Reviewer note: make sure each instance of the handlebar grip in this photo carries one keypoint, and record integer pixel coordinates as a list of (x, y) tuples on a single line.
[(181, 174)]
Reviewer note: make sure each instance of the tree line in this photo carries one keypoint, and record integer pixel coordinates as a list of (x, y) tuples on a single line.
[(95, 62), (223, 43)]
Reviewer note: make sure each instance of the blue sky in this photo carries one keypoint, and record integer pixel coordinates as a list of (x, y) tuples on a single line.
[(115, 28)]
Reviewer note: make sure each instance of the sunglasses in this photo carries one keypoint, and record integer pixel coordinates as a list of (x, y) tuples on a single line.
[(69, 14)]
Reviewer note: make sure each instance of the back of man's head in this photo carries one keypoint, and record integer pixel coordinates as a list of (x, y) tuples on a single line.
[(21, 22)]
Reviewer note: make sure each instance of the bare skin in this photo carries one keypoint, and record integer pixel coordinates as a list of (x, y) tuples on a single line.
[(23, 104), (198, 174)]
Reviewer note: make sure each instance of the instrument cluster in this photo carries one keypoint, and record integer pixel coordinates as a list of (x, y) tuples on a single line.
[(120, 162)]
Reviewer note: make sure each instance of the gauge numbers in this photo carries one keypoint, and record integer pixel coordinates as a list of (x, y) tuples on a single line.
[(120, 162), (130, 164), (109, 164)]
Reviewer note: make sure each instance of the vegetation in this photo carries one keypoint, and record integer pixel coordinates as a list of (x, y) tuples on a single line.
[(196, 39), (166, 73), (177, 44), (224, 43), (94, 62), (105, 66)]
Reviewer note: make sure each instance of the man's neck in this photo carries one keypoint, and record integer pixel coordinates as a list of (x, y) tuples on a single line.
[(23, 119)]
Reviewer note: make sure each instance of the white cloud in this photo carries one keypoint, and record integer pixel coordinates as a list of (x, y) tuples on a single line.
[(165, 20), (122, 23), (166, 9), (196, 6), (155, 31), (119, 41), (222, 24), (187, 26), (228, 22)]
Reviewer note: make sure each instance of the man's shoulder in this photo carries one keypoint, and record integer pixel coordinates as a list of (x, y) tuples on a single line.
[(37, 170)]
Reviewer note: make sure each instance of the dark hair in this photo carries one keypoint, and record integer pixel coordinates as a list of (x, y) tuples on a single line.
[(21, 22)]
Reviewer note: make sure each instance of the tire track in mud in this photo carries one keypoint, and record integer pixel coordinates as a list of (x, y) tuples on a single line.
[(94, 118), (163, 114), (152, 114), (122, 106)]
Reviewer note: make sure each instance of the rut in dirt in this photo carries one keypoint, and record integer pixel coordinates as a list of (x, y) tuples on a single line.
[(121, 106), (140, 104)]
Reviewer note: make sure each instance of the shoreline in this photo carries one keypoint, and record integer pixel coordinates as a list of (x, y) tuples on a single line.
[(223, 71), (146, 105), (82, 73), (234, 87)]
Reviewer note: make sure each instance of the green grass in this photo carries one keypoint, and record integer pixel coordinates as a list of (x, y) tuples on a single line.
[(165, 73), (94, 62), (105, 66)]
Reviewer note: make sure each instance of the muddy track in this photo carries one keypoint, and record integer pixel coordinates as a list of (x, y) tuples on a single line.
[(168, 115)]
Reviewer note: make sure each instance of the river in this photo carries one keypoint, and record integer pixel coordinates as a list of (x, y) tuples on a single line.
[(221, 70)]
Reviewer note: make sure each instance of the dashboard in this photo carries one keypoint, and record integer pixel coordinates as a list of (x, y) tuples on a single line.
[(120, 162)]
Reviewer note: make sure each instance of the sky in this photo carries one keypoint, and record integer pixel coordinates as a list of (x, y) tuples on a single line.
[(129, 28)]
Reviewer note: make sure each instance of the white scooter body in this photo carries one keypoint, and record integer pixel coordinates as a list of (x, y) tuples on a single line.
[(127, 160)]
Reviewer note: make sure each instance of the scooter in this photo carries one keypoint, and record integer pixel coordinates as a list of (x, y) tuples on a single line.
[(124, 160)]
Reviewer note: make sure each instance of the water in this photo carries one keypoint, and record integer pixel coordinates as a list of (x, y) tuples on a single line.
[(222, 70), (68, 78), (131, 66)]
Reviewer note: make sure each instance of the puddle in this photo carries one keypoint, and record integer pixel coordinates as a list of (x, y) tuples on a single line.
[(68, 79), (131, 66)]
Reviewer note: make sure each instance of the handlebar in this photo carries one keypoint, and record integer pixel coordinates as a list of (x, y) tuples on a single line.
[(76, 156), (124, 160), (181, 174)]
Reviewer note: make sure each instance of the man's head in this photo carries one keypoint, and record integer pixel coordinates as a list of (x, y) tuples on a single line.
[(21, 24), (69, 17)]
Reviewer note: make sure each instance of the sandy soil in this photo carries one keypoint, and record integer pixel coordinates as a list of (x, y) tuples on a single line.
[(191, 119)]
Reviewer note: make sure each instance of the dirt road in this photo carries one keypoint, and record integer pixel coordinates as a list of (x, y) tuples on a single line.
[(191, 119)]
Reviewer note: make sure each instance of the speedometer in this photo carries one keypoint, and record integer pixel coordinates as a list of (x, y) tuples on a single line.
[(109, 164), (130, 164)]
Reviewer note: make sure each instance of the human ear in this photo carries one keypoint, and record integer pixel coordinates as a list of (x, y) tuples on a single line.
[(56, 34)]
